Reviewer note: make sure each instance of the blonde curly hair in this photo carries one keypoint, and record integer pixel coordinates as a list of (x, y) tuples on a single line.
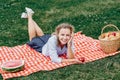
[(64, 25)]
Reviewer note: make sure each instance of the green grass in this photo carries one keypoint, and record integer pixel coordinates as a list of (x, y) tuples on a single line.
[(88, 16)]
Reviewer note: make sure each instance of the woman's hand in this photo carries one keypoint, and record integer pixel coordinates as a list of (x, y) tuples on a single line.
[(73, 60), (70, 41), (70, 53)]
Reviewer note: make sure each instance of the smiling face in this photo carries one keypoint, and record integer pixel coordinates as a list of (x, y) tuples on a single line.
[(64, 36), (63, 32)]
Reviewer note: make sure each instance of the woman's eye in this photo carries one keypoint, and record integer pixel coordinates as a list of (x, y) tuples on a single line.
[(67, 35), (62, 34)]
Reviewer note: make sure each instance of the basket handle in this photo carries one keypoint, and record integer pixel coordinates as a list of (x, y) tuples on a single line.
[(109, 25)]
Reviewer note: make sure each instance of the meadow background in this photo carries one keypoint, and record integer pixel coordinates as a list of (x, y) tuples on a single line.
[(89, 16)]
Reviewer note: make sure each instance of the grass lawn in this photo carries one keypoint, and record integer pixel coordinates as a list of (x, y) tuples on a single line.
[(88, 16)]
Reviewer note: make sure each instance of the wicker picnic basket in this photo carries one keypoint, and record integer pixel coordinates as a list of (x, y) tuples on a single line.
[(110, 45)]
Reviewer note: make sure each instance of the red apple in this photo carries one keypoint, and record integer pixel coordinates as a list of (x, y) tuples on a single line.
[(82, 59), (114, 34)]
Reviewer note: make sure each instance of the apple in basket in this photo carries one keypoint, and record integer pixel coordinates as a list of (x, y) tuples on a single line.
[(110, 35), (113, 35), (13, 65)]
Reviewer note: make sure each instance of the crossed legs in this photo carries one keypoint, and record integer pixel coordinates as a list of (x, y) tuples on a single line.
[(33, 28)]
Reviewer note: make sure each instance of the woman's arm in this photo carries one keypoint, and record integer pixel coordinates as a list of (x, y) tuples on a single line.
[(71, 60), (52, 43), (70, 54), (79, 60)]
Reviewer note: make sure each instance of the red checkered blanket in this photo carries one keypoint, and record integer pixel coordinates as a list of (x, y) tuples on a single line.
[(84, 47)]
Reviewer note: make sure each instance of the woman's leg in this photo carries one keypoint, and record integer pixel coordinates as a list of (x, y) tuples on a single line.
[(39, 31), (33, 29)]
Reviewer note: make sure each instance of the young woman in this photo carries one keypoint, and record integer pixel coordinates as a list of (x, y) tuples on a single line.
[(51, 45)]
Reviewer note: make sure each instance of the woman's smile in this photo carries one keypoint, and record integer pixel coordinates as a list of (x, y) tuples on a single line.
[(64, 36)]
